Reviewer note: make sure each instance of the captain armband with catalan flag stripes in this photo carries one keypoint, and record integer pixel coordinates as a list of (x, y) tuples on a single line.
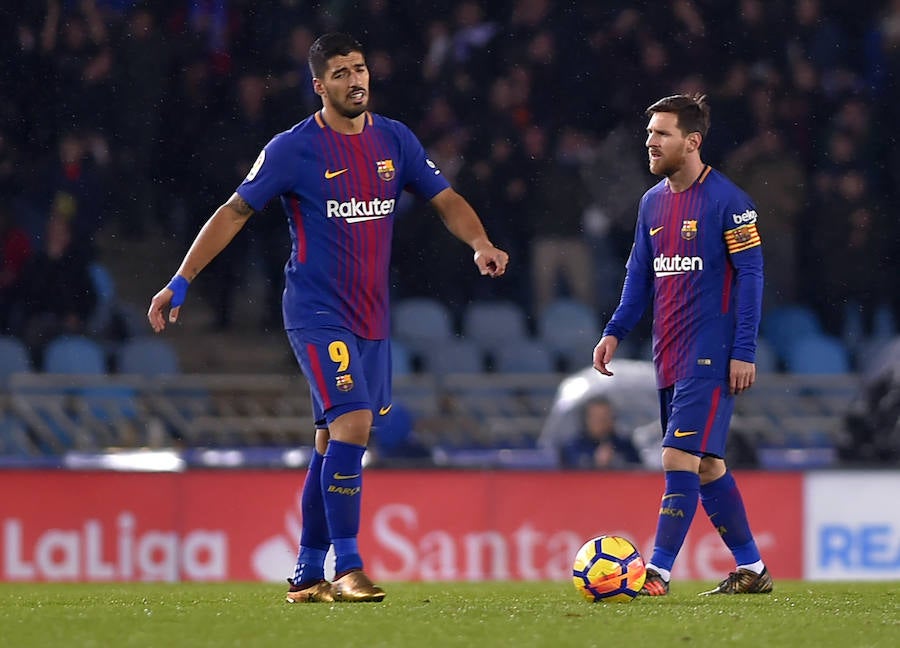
[(742, 238)]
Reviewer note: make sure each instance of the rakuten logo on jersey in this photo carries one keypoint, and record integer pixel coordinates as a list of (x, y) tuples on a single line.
[(666, 266), (356, 211), (746, 218)]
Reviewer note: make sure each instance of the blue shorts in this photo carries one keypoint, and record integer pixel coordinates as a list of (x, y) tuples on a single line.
[(345, 372), (695, 415)]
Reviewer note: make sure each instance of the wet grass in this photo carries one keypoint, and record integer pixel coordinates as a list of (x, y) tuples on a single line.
[(445, 614)]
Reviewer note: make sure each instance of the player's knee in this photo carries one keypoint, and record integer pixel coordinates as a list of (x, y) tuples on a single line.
[(352, 427), (711, 469), (675, 459)]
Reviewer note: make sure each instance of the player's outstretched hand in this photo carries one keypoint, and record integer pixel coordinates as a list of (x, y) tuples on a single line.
[(604, 352), (491, 261)]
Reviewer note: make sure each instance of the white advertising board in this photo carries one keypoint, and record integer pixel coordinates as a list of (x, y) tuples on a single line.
[(852, 526)]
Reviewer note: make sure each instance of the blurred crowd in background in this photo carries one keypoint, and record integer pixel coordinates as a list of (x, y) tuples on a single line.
[(139, 118)]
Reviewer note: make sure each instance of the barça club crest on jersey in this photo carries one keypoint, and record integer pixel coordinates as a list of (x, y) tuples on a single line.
[(689, 230), (344, 383), (741, 235), (385, 170)]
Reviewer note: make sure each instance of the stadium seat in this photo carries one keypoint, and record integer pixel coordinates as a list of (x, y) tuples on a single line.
[(105, 289), (523, 356), (569, 330), (74, 354), (783, 326), (401, 359), (459, 355), (565, 323), (885, 327), (766, 357), (493, 323), (421, 322), (14, 358), (147, 356), (817, 354), (576, 358)]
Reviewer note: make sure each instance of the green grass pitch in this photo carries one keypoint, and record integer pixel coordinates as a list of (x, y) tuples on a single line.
[(445, 614)]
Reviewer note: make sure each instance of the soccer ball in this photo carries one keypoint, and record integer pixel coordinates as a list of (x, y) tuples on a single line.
[(608, 568)]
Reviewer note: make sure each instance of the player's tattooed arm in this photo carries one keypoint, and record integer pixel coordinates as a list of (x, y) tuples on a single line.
[(241, 206)]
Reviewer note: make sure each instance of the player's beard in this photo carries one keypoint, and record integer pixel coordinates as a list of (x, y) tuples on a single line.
[(666, 166), (346, 108)]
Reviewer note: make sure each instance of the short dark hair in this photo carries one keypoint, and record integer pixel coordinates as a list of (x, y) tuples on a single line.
[(692, 112), (328, 46)]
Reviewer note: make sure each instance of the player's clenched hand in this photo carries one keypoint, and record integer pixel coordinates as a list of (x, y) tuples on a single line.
[(741, 375), (491, 261), (604, 352)]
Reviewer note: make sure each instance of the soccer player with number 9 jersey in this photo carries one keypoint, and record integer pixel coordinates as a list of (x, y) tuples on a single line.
[(338, 175)]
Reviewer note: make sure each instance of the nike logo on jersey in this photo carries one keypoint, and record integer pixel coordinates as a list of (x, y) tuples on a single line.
[(339, 476), (679, 433), (334, 174), (653, 230), (385, 410)]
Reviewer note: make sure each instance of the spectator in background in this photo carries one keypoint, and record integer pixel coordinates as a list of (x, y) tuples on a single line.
[(75, 179), (142, 61), (790, 67), (292, 80), (600, 444), (764, 167), (57, 294), (77, 44), (560, 250), (850, 226), (248, 126), (15, 252)]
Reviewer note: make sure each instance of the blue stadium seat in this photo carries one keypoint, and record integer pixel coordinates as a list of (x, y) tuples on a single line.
[(576, 358), (459, 355), (74, 354), (401, 359), (105, 289), (14, 358), (817, 354), (569, 329), (421, 322), (147, 356), (491, 324), (523, 356), (766, 357), (885, 326), (783, 326)]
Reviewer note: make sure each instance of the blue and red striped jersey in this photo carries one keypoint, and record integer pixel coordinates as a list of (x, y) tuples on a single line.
[(339, 193), (697, 254)]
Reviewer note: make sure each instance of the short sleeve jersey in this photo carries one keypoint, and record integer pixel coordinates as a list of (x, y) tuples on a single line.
[(339, 193), (697, 253)]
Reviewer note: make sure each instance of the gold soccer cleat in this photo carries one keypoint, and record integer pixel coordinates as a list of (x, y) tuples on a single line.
[(318, 592), (355, 587), (744, 581)]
